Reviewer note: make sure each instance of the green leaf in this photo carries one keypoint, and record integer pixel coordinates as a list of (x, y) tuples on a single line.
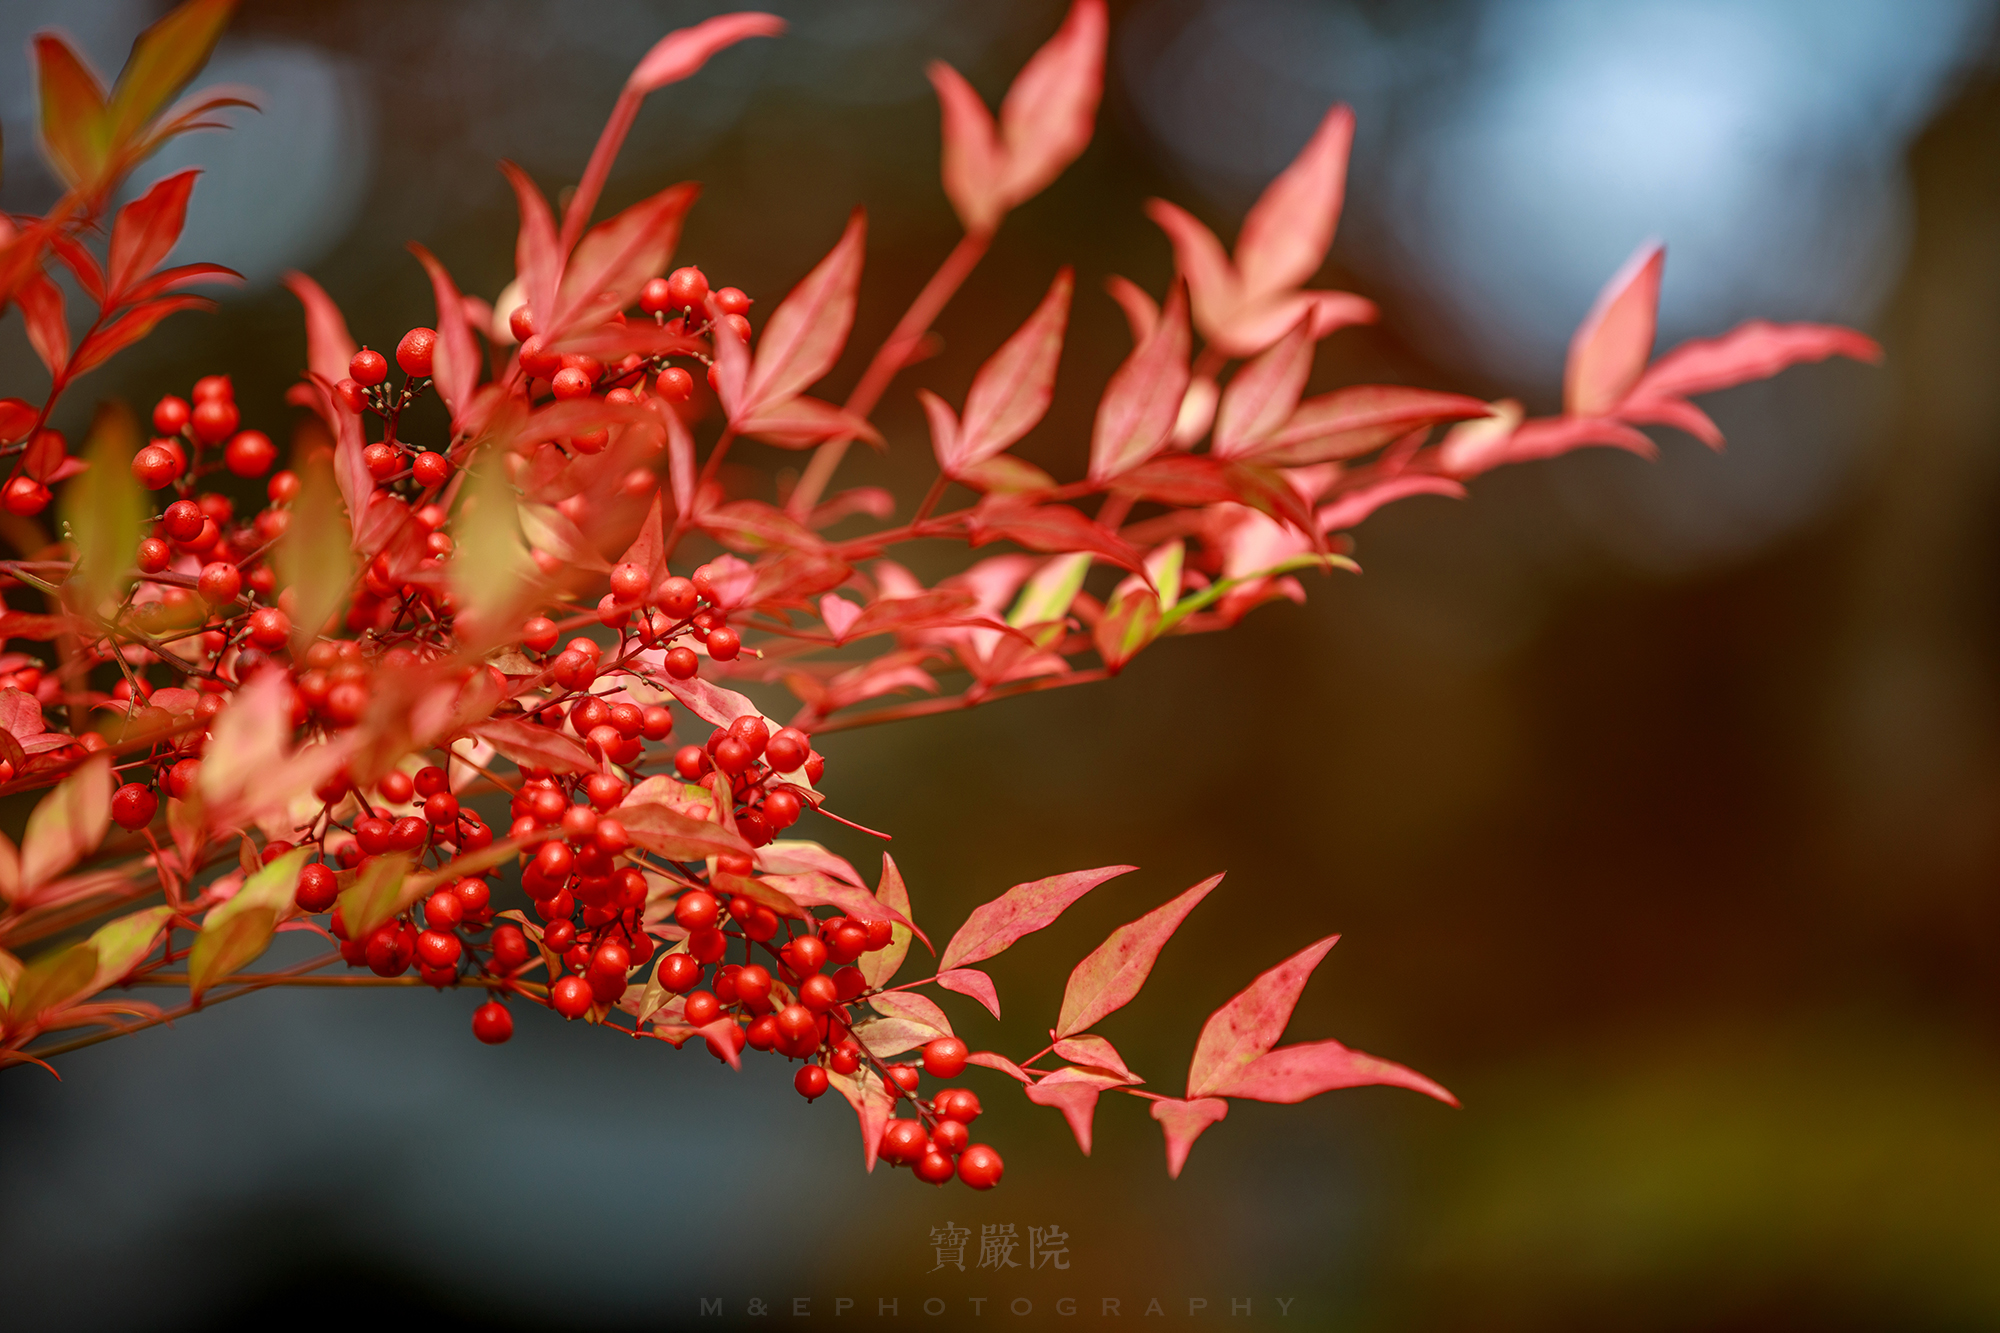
[(69, 823), (1214, 592), (104, 509), (313, 559), (122, 943), (50, 980), (1046, 598), (164, 60), (376, 897), (492, 568), (75, 126), (237, 931)]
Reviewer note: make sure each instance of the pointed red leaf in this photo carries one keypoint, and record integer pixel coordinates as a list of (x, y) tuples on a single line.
[(1074, 1092), (647, 550), (129, 328), (1141, 311), (1012, 390), (181, 275), (988, 1060), (872, 1104), (1183, 1123), (1549, 437), (329, 346), (1213, 284), (1294, 1073), (17, 418), (164, 60), (1676, 412), (801, 421), (1143, 397), (971, 981), (1096, 1052), (1262, 395), (680, 53), (74, 123), (1351, 421), (537, 261), (529, 743), (455, 358), (1021, 910), (146, 229), (1610, 349), (1057, 529), (1047, 116), (41, 303), (805, 334), (880, 966), (618, 257), (80, 262), (1251, 1022), (1358, 504), (1753, 350), (944, 432), (974, 162), (1112, 974), (1288, 231)]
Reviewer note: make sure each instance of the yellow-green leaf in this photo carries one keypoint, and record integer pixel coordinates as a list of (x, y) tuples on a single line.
[(50, 980), (122, 943), (491, 570), (104, 509), (237, 931), (165, 58), (313, 559), (68, 824), (376, 897)]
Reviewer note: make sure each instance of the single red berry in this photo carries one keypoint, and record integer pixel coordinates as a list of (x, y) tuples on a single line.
[(133, 805), (431, 469), (880, 931), (787, 750), (739, 325), (805, 955), (960, 1104), (413, 353), (521, 323), (654, 298), (628, 582), (569, 382), (903, 1142), (980, 1167), (155, 467), (732, 756), (696, 909), (170, 415), (691, 762), (271, 628), (707, 946), (724, 644), (848, 982), (368, 368), (396, 786), (781, 808), (701, 1008), (439, 948), (283, 488), (944, 1057), (682, 664), (154, 555), (182, 521), (219, 583), (675, 385), (491, 1023), (753, 984), (443, 910), (819, 992), (539, 634), (950, 1136), (810, 1082), (351, 395), (933, 1168), (677, 597), (215, 420), (536, 358), (510, 948), (603, 790), (317, 888), (382, 460), (26, 497), (250, 453), (210, 387), (844, 1061), (687, 288), (732, 301), (764, 1034), (905, 1077), (570, 996), (475, 898), (430, 780), (441, 810), (181, 778)]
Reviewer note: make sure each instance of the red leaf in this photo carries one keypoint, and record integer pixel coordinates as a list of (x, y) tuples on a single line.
[(988, 1060), (1288, 231), (872, 1103), (45, 455), (17, 418), (1358, 504), (79, 261), (529, 743), (329, 346), (1074, 1092), (618, 257), (1094, 1052), (1251, 1022), (1294, 1073), (1058, 529), (455, 358), (681, 52), (129, 328), (1143, 397), (146, 229), (803, 421), (814, 888), (1112, 974), (1183, 1123), (1549, 437), (1262, 395), (1213, 286), (647, 550), (1351, 421), (974, 162), (164, 59), (1012, 390), (971, 981), (41, 303), (1753, 350), (1141, 311), (536, 259), (679, 837), (805, 334), (1047, 116), (1021, 910), (180, 276), (75, 126), (1676, 412), (1609, 351)]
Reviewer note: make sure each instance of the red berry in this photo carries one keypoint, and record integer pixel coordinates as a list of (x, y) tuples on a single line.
[(724, 644), (215, 420), (439, 948), (441, 810), (396, 786), (701, 1008), (212, 387), (368, 368), (736, 1039), (903, 1142), (537, 360), (569, 382), (155, 467), (787, 750), (539, 634), (570, 996), (154, 555), (781, 808), (707, 946), (443, 910), (980, 1167), (271, 628), (250, 453), (905, 1077), (682, 664), (677, 597), (491, 1023), (679, 973), (933, 1168), (317, 888), (612, 959), (351, 395), (628, 583), (181, 778), (26, 497), (960, 1104), (654, 298), (687, 288), (283, 488), (738, 325), (880, 931), (383, 460), (430, 781), (949, 1136), (805, 955), (170, 415), (219, 583), (675, 385), (944, 1057), (133, 805), (753, 984), (521, 323), (696, 910), (810, 1081), (848, 982), (732, 301), (182, 521), (431, 469), (510, 948), (413, 354), (475, 898), (844, 1061), (819, 992)]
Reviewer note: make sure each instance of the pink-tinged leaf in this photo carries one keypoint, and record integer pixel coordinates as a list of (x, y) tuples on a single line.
[(1550, 437), (805, 334), (1056, 529), (1047, 116), (1021, 910), (680, 456), (1471, 447), (1288, 231), (711, 702), (1351, 421), (1294, 1073), (528, 743), (872, 1105), (146, 229), (618, 257), (455, 357), (974, 163), (940, 606), (81, 263), (1261, 396), (181, 275), (971, 981), (1610, 349), (536, 258), (1074, 1092), (944, 432), (41, 303), (74, 122), (1142, 312), (113, 338), (1358, 504), (682, 52), (68, 824), (1140, 403), (1112, 974), (1251, 1022), (1213, 285), (880, 966), (1012, 390), (914, 1008), (1676, 412), (988, 1060), (1183, 1123), (732, 369), (17, 418), (1752, 350), (329, 346), (815, 888), (802, 421), (164, 59), (680, 837), (647, 550), (1097, 1053)]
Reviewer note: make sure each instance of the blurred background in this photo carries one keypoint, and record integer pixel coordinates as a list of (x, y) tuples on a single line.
[(1655, 803)]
